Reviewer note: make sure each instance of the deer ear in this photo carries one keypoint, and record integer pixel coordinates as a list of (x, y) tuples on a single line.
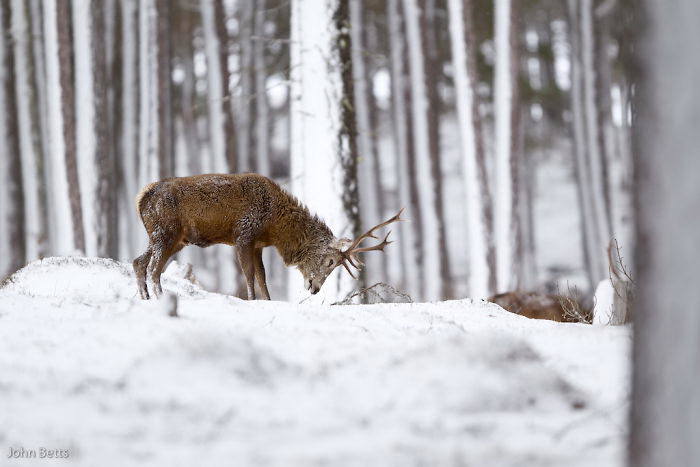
[(341, 243)]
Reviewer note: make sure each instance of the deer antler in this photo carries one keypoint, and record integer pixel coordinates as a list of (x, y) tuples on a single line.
[(350, 254)]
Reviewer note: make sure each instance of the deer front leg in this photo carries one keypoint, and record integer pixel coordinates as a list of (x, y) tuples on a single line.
[(140, 268), (246, 258), (260, 274)]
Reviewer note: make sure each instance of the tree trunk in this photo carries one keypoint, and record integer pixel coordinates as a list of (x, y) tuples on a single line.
[(482, 277), (597, 160), (188, 98), (590, 216), (411, 236), (30, 132), (369, 204), (666, 376), (145, 87), (221, 128), (17, 240), (163, 114), (129, 156), (429, 26), (69, 236), (323, 148), (262, 123), (38, 114), (156, 154), (105, 199), (431, 248), (507, 119), (96, 170), (247, 110)]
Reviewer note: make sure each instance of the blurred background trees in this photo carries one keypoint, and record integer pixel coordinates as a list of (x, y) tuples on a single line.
[(502, 127)]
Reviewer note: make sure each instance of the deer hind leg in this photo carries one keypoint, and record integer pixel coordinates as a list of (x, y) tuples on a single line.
[(260, 274), (163, 249), (246, 258), (140, 265)]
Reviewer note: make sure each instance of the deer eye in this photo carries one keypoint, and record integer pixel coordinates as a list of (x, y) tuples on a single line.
[(330, 262)]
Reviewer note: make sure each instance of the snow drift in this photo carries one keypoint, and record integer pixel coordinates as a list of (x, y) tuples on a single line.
[(87, 366)]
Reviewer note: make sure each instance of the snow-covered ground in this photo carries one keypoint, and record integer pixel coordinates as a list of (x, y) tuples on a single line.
[(87, 366)]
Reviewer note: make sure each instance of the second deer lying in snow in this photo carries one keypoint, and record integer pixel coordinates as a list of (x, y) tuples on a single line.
[(247, 211)]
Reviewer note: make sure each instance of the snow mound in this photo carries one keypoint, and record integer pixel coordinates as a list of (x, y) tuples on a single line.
[(87, 367), (97, 279)]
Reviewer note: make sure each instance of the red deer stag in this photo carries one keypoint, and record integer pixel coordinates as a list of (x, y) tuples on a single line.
[(247, 211), (544, 306)]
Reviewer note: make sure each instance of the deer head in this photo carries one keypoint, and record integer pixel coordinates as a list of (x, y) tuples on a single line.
[(343, 251)]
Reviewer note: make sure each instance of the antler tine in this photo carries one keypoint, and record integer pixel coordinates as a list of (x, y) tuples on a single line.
[(348, 269), (370, 233), (378, 247)]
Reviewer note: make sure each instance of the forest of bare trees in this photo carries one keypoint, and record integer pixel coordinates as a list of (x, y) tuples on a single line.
[(454, 109)]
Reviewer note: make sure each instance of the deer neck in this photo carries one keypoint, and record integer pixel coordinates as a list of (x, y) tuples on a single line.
[(298, 236)]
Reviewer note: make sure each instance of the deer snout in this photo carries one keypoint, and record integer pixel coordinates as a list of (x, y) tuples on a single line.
[(312, 286)]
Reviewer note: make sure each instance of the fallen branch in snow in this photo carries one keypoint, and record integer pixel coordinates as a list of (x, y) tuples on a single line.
[(377, 296), (574, 312)]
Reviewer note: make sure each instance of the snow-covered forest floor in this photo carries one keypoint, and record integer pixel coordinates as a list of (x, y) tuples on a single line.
[(86, 365)]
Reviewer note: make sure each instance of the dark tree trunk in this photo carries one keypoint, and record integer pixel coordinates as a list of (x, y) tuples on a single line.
[(164, 122), (247, 72), (229, 121), (38, 128), (262, 123), (187, 92), (114, 72), (411, 272), (106, 228), (347, 138), (15, 217), (432, 79), (65, 58)]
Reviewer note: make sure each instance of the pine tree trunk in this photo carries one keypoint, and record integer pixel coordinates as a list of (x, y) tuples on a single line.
[(30, 131), (590, 217), (429, 26), (145, 126), (221, 125), (187, 97), (665, 398), (597, 161), (129, 154), (61, 97), (377, 189), (507, 119), (164, 104), (247, 110), (156, 152), (482, 270), (431, 247), (262, 123), (323, 148), (410, 237), (369, 205), (105, 200), (17, 240), (38, 114)]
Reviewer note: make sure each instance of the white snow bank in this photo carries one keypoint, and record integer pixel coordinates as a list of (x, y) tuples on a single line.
[(604, 302), (87, 366), (97, 279)]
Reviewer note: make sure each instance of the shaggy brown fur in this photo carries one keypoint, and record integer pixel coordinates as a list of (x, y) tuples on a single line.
[(247, 211), (543, 306)]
